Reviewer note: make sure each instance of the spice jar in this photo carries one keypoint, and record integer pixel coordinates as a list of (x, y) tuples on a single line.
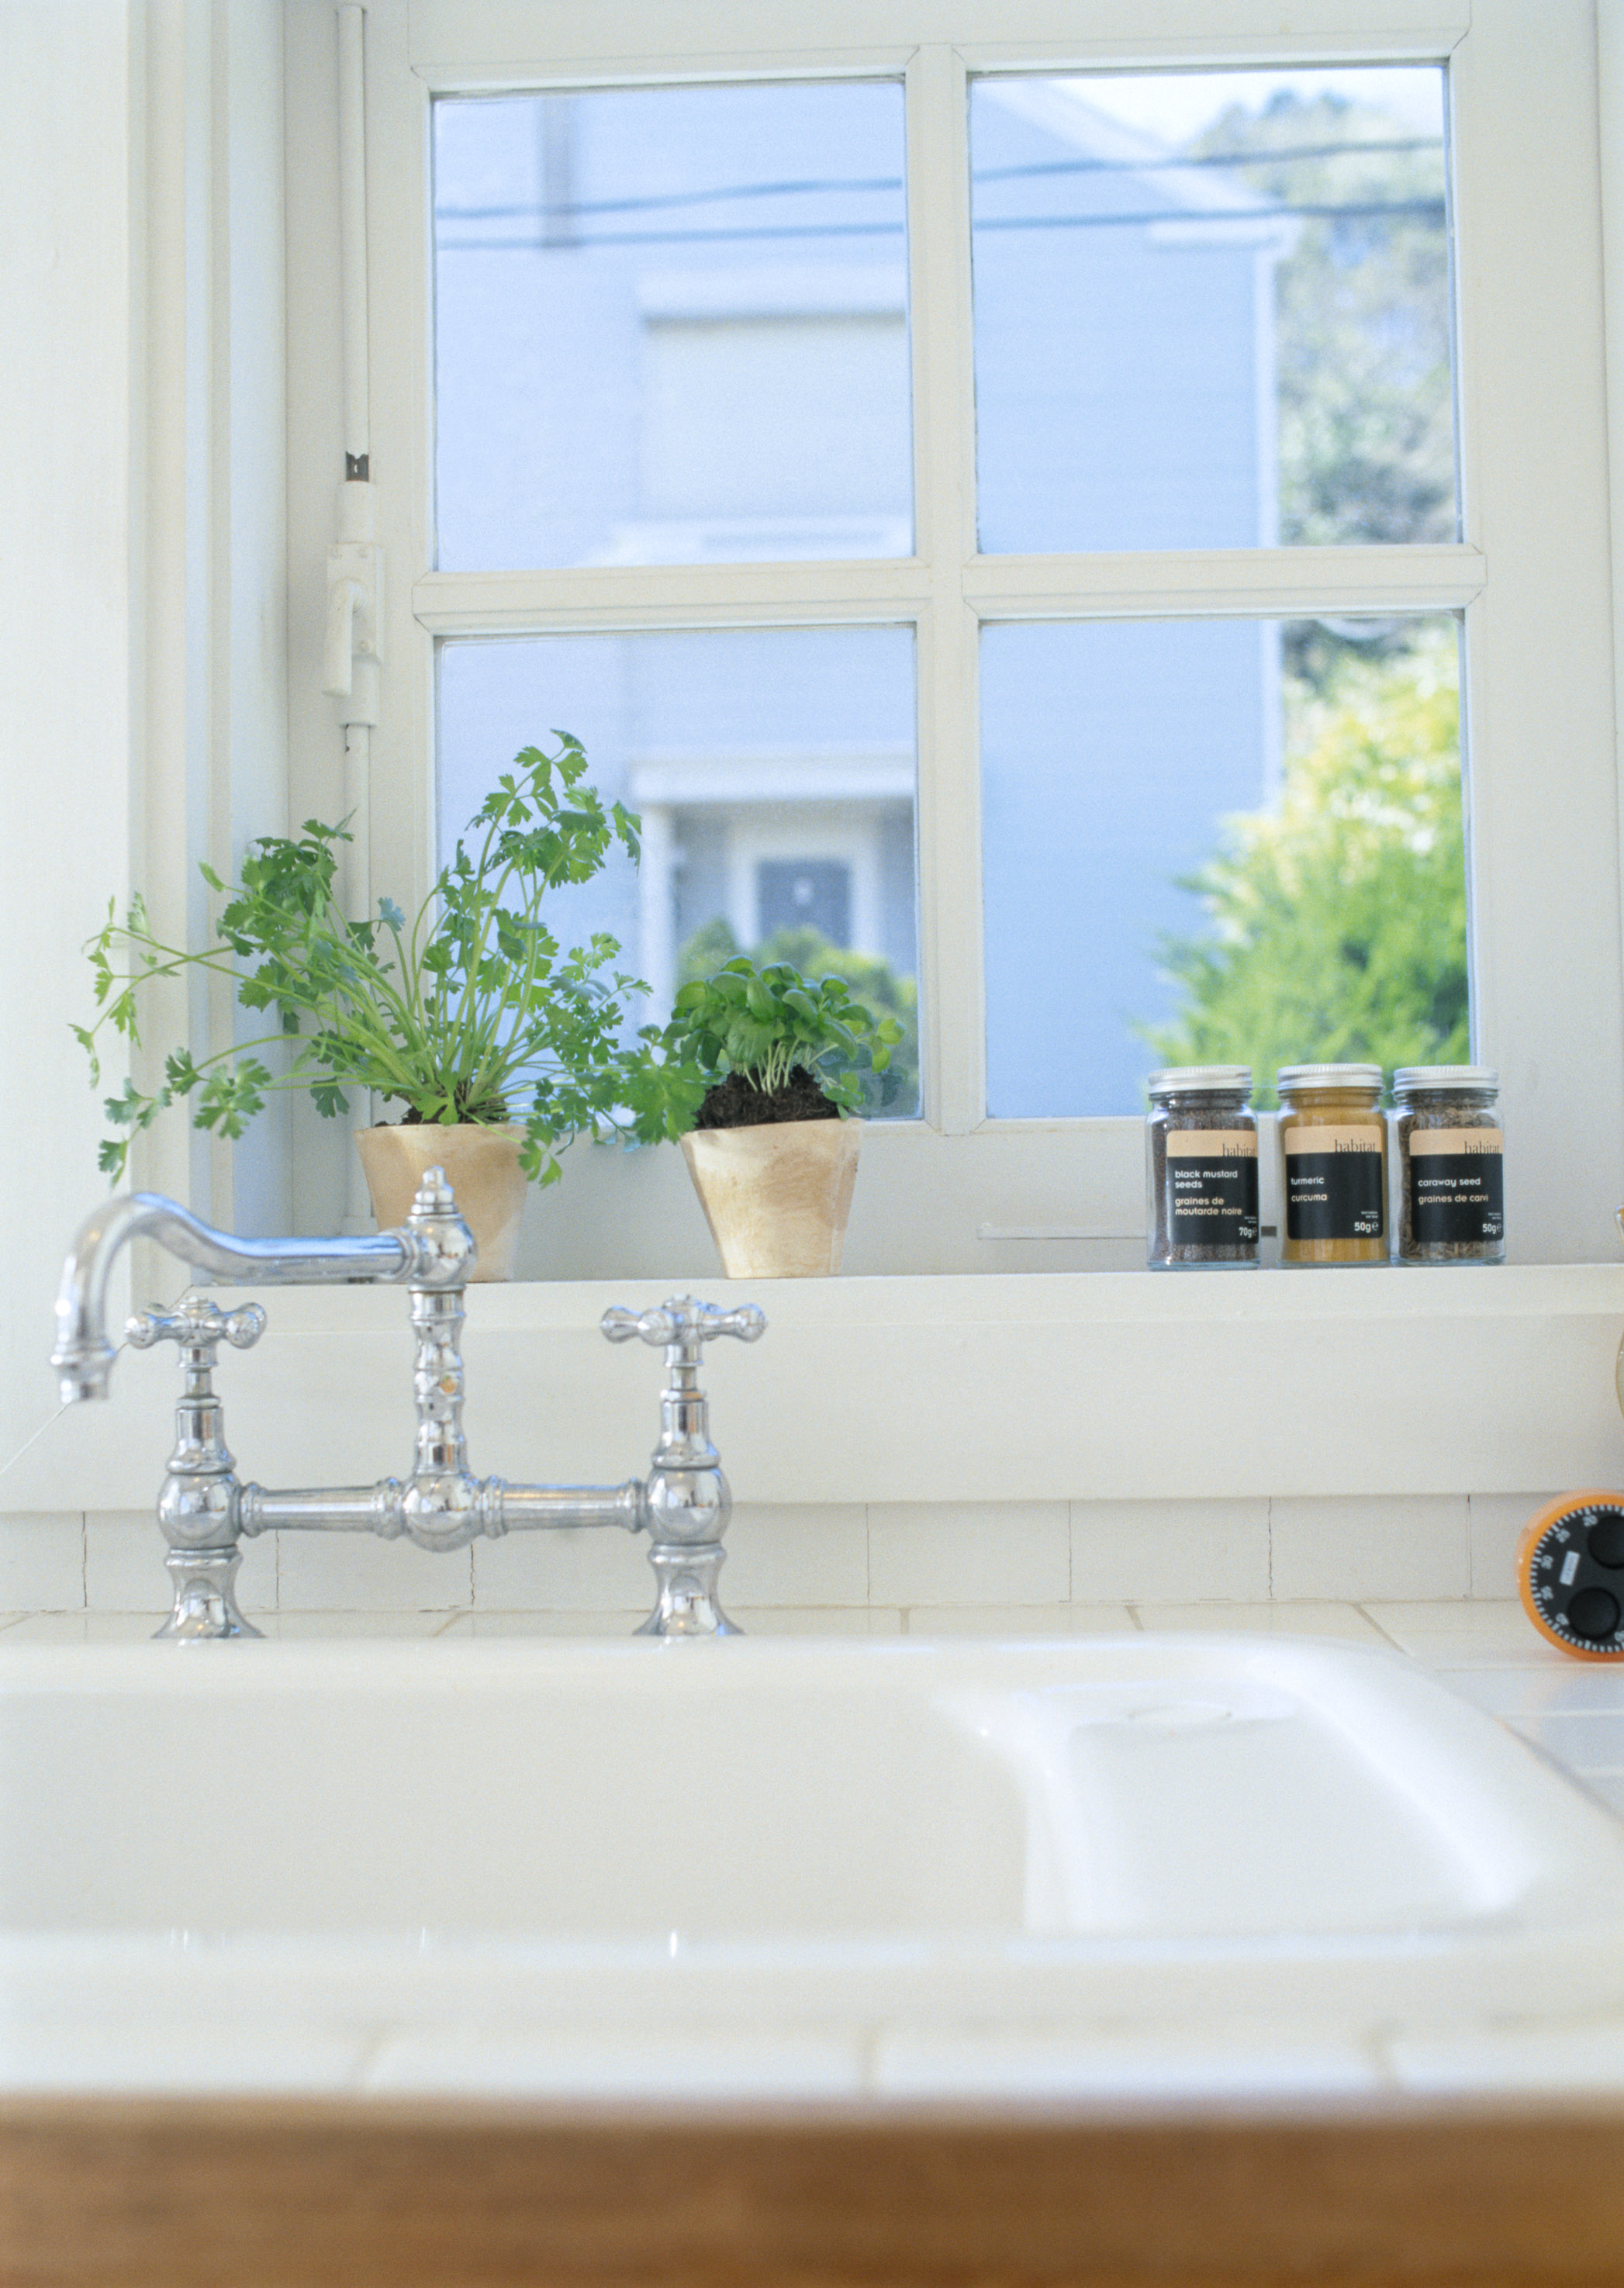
[(1333, 1145), (1451, 1164), (1201, 1161)]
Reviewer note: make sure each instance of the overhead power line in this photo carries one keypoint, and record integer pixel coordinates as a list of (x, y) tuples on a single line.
[(796, 189), (1432, 209), (1203, 159), (671, 199)]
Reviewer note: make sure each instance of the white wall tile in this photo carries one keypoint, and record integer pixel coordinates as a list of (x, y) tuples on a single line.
[(572, 1568), (42, 1561), (1368, 1545), (1172, 1551), (1495, 1524), (969, 1552), (123, 1565), (338, 1572), (1381, 1551), (801, 1553)]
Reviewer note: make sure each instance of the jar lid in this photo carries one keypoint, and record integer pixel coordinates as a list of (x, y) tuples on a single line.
[(1180, 1080), (1482, 1077), (1328, 1076)]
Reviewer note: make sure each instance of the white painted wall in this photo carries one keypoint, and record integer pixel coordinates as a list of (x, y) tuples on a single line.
[(143, 472), (1069, 1387), (69, 697), (1610, 104)]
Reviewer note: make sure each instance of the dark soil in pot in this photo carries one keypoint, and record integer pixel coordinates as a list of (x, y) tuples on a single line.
[(736, 1102)]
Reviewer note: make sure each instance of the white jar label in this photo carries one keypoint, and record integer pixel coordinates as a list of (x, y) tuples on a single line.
[(1211, 1143)]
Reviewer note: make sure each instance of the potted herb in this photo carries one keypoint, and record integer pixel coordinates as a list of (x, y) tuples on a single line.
[(500, 1045), (772, 1149)]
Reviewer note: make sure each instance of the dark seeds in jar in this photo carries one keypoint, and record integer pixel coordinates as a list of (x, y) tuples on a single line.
[(1451, 1166), (1201, 1169)]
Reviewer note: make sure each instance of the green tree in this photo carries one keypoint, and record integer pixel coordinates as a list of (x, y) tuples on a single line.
[(1366, 437), (871, 981), (1339, 917)]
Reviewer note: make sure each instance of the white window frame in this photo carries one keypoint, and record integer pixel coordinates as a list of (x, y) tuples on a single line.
[(1531, 578)]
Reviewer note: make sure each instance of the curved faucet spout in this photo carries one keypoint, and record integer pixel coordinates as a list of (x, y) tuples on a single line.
[(431, 1255)]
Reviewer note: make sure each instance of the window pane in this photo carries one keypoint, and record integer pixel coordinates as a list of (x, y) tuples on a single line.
[(671, 326), (774, 774), (1218, 841), (1212, 309)]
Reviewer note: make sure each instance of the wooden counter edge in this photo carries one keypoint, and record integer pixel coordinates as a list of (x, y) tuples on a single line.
[(104, 2192)]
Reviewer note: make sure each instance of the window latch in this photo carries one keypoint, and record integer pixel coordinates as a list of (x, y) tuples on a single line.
[(353, 643)]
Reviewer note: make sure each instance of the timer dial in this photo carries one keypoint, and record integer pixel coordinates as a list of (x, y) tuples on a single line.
[(1570, 1574)]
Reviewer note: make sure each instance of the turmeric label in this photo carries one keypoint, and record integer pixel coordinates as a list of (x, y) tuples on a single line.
[(1334, 1182)]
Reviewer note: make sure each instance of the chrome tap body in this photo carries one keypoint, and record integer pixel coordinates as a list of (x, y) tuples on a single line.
[(686, 1500), (206, 1511)]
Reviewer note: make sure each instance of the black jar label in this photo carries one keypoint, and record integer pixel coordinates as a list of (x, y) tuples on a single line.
[(1457, 1177), (1334, 1184), (1212, 1187)]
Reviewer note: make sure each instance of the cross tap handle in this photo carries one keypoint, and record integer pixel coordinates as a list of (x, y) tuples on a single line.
[(683, 1325), (195, 1323)]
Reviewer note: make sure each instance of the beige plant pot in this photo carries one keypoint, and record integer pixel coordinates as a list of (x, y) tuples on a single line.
[(482, 1167), (776, 1197)]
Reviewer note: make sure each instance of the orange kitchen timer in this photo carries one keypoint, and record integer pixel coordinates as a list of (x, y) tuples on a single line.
[(1570, 1574)]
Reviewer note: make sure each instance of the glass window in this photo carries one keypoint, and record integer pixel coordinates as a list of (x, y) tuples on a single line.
[(1212, 309), (774, 774), (671, 326), (1217, 841)]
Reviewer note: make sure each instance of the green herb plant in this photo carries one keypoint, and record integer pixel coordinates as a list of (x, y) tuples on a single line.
[(763, 1023), (467, 1014)]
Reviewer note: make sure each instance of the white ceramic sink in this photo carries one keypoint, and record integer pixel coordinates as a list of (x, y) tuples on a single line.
[(776, 1837)]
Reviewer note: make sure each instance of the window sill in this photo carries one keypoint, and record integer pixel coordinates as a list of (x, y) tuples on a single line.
[(1120, 1386)]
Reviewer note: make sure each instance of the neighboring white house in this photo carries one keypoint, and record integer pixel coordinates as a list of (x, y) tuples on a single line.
[(672, 328)]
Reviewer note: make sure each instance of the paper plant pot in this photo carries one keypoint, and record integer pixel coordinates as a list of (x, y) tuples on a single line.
[(482, 1167), (776, 1197)]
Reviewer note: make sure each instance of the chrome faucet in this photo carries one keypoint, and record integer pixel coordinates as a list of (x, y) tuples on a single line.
[(206, 1511)]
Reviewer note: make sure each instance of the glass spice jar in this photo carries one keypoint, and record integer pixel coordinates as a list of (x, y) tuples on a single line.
[(1334, 1147), (1451, 1164), (1200, 1165)]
